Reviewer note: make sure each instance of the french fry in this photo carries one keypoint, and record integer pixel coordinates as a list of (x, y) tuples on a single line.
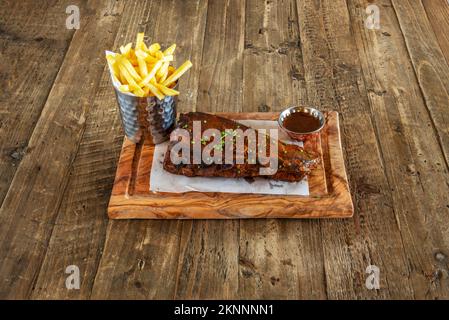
[(155, 91), (115, 79), (168, 58), (144, 47), (164, 76), (151, 59), (142, 67), (161, 74), (141, 54), (178, 73), (172, 85), (139, 40), (130, 68), (170, 50), (110, 58), (167, 91), (124, 88), (131, 75), (113, 65), (125, 49), (137, 90), (155, 47), (132, 58), (159, 55), (129, 79), (151, 74), (122, 78), (145, 70)]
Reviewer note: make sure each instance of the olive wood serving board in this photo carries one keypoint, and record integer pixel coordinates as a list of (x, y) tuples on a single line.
[(329, 195)]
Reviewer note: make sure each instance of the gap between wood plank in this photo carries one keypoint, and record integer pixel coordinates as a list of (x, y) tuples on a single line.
[(435, 19), (198, 277), (40, 113), (386, 150), (326, 288), (70, 168), (180, 260), (40, 109), (379, 145), (67, 173), (43, 234), (150, 244), (436, 131), (351, 246), (376, 134)]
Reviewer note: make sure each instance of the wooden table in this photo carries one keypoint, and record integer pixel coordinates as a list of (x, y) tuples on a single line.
[(60, 137)]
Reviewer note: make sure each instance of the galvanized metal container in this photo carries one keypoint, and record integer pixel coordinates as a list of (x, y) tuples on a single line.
[(146, 117)]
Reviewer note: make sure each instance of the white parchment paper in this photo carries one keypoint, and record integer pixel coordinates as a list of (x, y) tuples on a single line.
[(163, 181)]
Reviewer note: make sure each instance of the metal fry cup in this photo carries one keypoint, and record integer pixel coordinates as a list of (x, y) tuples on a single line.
[(146, 117)]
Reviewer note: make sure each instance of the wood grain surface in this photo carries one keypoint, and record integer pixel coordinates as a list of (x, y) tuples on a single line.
[(28, 77), (60, 141)]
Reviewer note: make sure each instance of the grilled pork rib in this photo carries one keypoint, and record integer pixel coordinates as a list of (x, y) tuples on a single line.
[(294, 163)]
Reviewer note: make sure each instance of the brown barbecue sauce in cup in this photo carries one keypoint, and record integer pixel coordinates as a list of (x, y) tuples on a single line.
[(301, 123)]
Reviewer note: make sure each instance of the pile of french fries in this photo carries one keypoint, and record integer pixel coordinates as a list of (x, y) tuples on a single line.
[(146, 71)]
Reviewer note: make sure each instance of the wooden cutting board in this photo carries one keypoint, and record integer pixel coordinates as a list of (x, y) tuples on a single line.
[(329, 197)]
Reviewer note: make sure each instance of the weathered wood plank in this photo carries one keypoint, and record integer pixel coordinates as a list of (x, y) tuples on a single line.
[(220, 87), (334, 81), (438, 14), (33, 43), (413, 159), (136, 252), (32, 204), (277, 259), (273, 67), (208, 259), (80, 227), (431, 67)]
